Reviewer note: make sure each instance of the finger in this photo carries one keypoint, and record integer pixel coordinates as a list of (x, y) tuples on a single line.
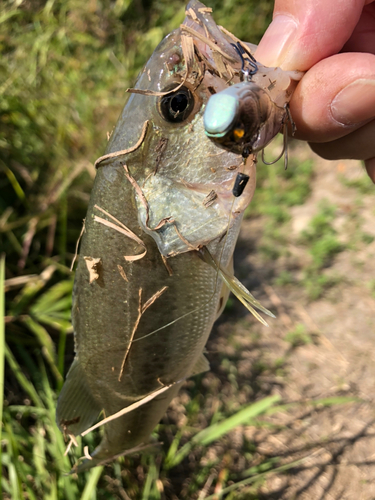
[(335, 97), (363, 36), (370, 167), (303, 33), (358, 145)]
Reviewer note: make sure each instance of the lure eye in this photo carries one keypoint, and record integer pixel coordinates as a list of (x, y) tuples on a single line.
[(177, 106)]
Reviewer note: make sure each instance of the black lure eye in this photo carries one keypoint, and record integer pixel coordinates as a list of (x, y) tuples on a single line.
[(177, 106)]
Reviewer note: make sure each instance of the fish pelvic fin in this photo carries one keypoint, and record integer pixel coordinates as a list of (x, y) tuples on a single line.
[(202, 365), (237, 288), (77, 408)]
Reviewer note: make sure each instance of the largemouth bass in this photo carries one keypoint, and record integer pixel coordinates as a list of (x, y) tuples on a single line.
[(155, 260)]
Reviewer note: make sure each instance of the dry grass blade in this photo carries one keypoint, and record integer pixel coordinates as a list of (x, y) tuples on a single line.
[(121, 228), (125, 232), (141, 311), (77, 244), (187, 45), (132, 335), (144, 202), (182, 238), (190, 12), (209, 42), (122, 272), (138, 190), (167, 266), (123, 152), (132, 407)]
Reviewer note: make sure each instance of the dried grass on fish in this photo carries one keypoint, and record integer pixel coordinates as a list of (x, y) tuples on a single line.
[(121, 228), (209, 42), (141, 310), (123, 152), (130, 408), (143, 200), (187, 46), (77, 245)]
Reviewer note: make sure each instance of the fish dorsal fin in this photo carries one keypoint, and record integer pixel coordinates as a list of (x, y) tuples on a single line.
[(237, 288), (202, 365), (77, 409)]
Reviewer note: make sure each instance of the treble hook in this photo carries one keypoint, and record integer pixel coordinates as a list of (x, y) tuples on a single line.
[(251, 61), (284, 151)]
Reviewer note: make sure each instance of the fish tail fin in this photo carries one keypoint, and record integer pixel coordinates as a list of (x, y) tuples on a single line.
[(77, 408), (237, 288)]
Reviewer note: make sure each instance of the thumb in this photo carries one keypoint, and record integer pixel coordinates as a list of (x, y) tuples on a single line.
[(303, 33)]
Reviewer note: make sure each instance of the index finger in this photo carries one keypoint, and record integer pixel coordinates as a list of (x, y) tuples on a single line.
[(303, 33)]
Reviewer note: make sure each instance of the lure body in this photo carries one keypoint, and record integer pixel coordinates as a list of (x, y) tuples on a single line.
[(246, 116)]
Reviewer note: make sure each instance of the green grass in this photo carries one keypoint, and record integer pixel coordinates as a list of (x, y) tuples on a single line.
[(298, 336), (323, 245), (277, 191)]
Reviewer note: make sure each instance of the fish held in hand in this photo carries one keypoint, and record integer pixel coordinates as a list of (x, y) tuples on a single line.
[(154, 270)]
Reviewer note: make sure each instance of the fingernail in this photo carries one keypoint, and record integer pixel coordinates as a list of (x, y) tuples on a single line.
[(355, 103), (277, 40)]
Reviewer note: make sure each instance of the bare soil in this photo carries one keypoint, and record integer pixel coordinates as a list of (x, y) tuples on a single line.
[(337, 442)]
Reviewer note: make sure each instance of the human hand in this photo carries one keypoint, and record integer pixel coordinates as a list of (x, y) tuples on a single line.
[(333, 106)]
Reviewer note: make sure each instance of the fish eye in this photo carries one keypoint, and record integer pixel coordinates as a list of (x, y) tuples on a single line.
[(177, 106)]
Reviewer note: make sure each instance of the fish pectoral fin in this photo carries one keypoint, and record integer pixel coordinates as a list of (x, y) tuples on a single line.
[(77, 408), (202, 365), (237, 288)]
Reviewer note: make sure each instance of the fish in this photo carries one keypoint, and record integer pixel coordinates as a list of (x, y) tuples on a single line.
[(156, 256)]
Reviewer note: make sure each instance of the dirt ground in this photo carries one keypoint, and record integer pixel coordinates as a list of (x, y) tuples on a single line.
[(338, 441)]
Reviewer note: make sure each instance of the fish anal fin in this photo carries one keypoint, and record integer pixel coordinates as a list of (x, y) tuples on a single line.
[(77, 409), (202, 365)]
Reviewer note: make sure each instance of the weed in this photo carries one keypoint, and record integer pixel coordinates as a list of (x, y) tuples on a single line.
[(321, 238), (284, 278), (277, 191), (298, 336), (363, 184)]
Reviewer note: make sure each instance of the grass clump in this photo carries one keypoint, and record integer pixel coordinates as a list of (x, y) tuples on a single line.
[(298, 336), (277, 191), (321, 239), (362, 184)]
